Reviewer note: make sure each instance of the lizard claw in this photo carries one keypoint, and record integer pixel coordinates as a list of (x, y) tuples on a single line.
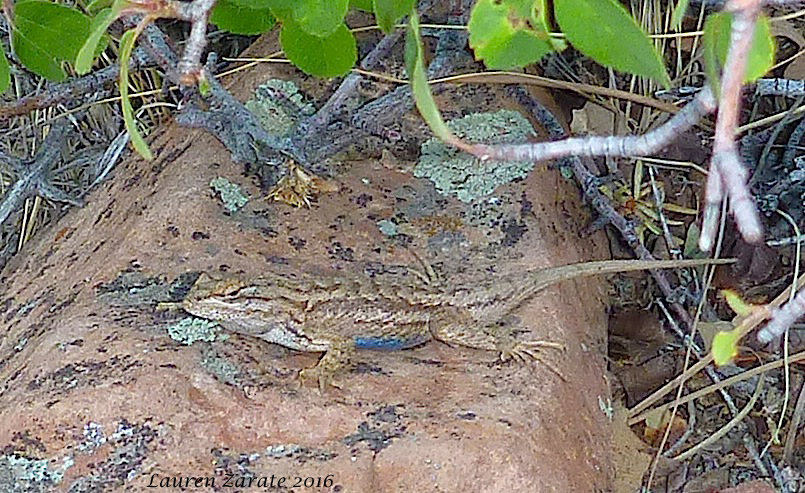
[(523, 351), (319, 376), (530, 350), (334, 360)]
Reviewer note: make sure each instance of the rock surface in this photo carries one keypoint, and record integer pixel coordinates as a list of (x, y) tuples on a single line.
[(96, 396)]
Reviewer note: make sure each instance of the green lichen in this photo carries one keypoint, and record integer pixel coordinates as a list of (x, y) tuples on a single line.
[(21, 474), (222, 369), (298, 452), (468, 178), (133, 288), (94, 437), (191, 329), (388, 228), (279, 106), (283, 450), (129, 446), (231, 194)]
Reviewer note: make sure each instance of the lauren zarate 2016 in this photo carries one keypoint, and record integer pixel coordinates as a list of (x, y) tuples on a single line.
[(232, 481)]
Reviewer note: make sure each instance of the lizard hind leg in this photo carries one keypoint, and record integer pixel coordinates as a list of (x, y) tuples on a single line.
[(335, 359), (523, 351), (496, 338)]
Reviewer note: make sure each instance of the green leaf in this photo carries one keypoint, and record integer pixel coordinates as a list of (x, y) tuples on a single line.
[(330, 56), (258, 4), (101, 22), (5, 71), (47, 34), (237, 19), (736, 303), (97, 5), (204, 86), (715, 27), (762, 52), (725, 343), (507, 34), (604, 31), (679, 14), (716, 41), (725, 346), (388, 12), (282, 9), (364, 5), (320, 17), (415, 64), (126, 47)]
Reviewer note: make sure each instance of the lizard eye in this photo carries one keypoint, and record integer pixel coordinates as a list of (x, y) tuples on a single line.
[(230, 288)]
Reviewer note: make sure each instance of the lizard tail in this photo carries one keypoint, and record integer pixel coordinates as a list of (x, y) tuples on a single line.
[(541, 279)]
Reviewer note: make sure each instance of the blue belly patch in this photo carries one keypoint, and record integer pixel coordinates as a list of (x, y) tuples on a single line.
[(389, 343)]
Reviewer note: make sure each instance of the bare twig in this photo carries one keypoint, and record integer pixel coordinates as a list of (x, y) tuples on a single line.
[(158, 46), (796, 422), (629, 146), (234, 125), (731, 424), (780, 87), (782, 318), (589, 184), (197, 13), (32, 177), (224, 116), (374, 117), (728, 176), (81, 90), (338, 101)]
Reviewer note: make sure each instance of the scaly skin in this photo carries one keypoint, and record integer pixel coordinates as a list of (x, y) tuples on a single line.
[(337, 314)]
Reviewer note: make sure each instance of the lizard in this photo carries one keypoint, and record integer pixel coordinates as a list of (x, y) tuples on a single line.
[(337, 313)]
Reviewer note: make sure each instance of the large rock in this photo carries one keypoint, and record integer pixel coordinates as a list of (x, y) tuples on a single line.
[(96, 396)]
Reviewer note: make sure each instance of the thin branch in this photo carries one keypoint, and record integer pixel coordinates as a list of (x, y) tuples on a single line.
[(782, 318), (728, 176), (74, 92), (33, 174), (221, 114), (790, 88), (640, 145), (14, 162), (197, 13), (376, 116), (317, 124), (793, 428), (589, 184), (158, 46), (235, 126)]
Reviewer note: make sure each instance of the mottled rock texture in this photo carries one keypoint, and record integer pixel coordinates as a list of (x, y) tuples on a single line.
[(96, 396)]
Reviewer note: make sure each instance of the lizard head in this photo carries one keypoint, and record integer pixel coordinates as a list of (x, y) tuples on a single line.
[(208, 295)]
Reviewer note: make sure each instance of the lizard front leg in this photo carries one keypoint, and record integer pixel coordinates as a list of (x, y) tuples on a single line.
[(336, 358), (341, 337)]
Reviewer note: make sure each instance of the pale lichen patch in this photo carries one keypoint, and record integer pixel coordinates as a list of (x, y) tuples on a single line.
[(279, 106), (191, 329), (231, 194), (454, 172)]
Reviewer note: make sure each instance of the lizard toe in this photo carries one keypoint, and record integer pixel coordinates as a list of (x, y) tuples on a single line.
[(318, 376), (523, 352)]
